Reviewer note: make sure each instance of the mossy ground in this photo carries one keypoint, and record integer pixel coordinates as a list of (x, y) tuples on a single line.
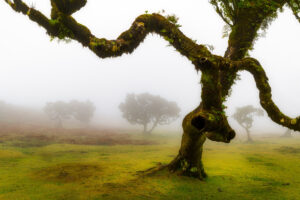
[(266, 169)]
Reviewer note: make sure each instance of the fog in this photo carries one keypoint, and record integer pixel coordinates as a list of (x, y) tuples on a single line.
[(34, 70)]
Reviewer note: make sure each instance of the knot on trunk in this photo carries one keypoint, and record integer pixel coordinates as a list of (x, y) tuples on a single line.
[(215, 126), (203, 63)]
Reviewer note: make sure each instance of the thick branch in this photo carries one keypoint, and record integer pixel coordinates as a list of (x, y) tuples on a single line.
[(66, 26), (253, 66)]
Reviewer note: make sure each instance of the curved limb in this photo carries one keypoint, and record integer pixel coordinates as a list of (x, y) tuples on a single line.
[(62, 25), (253, 66)]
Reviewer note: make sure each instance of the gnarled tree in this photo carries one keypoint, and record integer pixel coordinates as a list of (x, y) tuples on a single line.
[(244, 116), (244, 17), (146, 109)]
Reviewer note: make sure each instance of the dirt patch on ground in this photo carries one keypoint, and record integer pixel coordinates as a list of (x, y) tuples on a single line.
[(259, 160), (69, 172), (36, 136), (288, 150)]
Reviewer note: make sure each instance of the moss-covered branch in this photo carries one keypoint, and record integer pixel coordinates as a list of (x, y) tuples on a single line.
[(63, 25), (253, 66), (295, 7)]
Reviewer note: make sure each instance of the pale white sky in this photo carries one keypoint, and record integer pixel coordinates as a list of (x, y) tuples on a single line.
[(34, 70)]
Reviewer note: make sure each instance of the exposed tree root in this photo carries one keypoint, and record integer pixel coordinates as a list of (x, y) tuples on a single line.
[(153, 170)]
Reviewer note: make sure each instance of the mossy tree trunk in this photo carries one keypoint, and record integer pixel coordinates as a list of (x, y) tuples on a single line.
[(208, 120)]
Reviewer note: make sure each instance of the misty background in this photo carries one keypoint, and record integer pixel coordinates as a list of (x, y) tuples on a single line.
[(34, 70)]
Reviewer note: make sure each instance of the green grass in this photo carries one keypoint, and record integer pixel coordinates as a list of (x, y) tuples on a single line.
[(33, 170)]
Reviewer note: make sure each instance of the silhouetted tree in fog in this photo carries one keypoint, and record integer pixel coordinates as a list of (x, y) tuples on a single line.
[(244, 116), (82, 111), (244, 20), (58, 111), (146, 109)]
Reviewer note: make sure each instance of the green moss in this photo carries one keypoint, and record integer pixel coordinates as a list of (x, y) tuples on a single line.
[(194, 169), (184, 165), (169, 39), (294, 121)]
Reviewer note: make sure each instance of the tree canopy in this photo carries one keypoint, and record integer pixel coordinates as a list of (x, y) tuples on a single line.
[(82, 111), (145, 109)]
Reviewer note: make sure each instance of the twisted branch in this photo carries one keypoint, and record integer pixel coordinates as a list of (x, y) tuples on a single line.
[(65, 26), (253, 66)]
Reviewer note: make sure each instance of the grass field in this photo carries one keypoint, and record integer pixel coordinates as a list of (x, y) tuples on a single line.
[(37, 167)]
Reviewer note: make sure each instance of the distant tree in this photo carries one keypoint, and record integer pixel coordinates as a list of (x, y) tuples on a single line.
[(145, 109), (82, 111), (58, 111), (244, 116)]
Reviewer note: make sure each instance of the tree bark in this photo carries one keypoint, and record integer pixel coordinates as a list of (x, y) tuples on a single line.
[(188, 162), (207, 120)]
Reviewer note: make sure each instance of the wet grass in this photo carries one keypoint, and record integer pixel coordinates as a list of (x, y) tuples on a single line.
[(266, 169)]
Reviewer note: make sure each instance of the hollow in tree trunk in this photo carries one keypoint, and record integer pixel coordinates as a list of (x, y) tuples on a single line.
[(189, 159), (208, 120)]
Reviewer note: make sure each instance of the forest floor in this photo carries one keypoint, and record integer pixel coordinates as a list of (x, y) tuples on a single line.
[(76, 165)]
